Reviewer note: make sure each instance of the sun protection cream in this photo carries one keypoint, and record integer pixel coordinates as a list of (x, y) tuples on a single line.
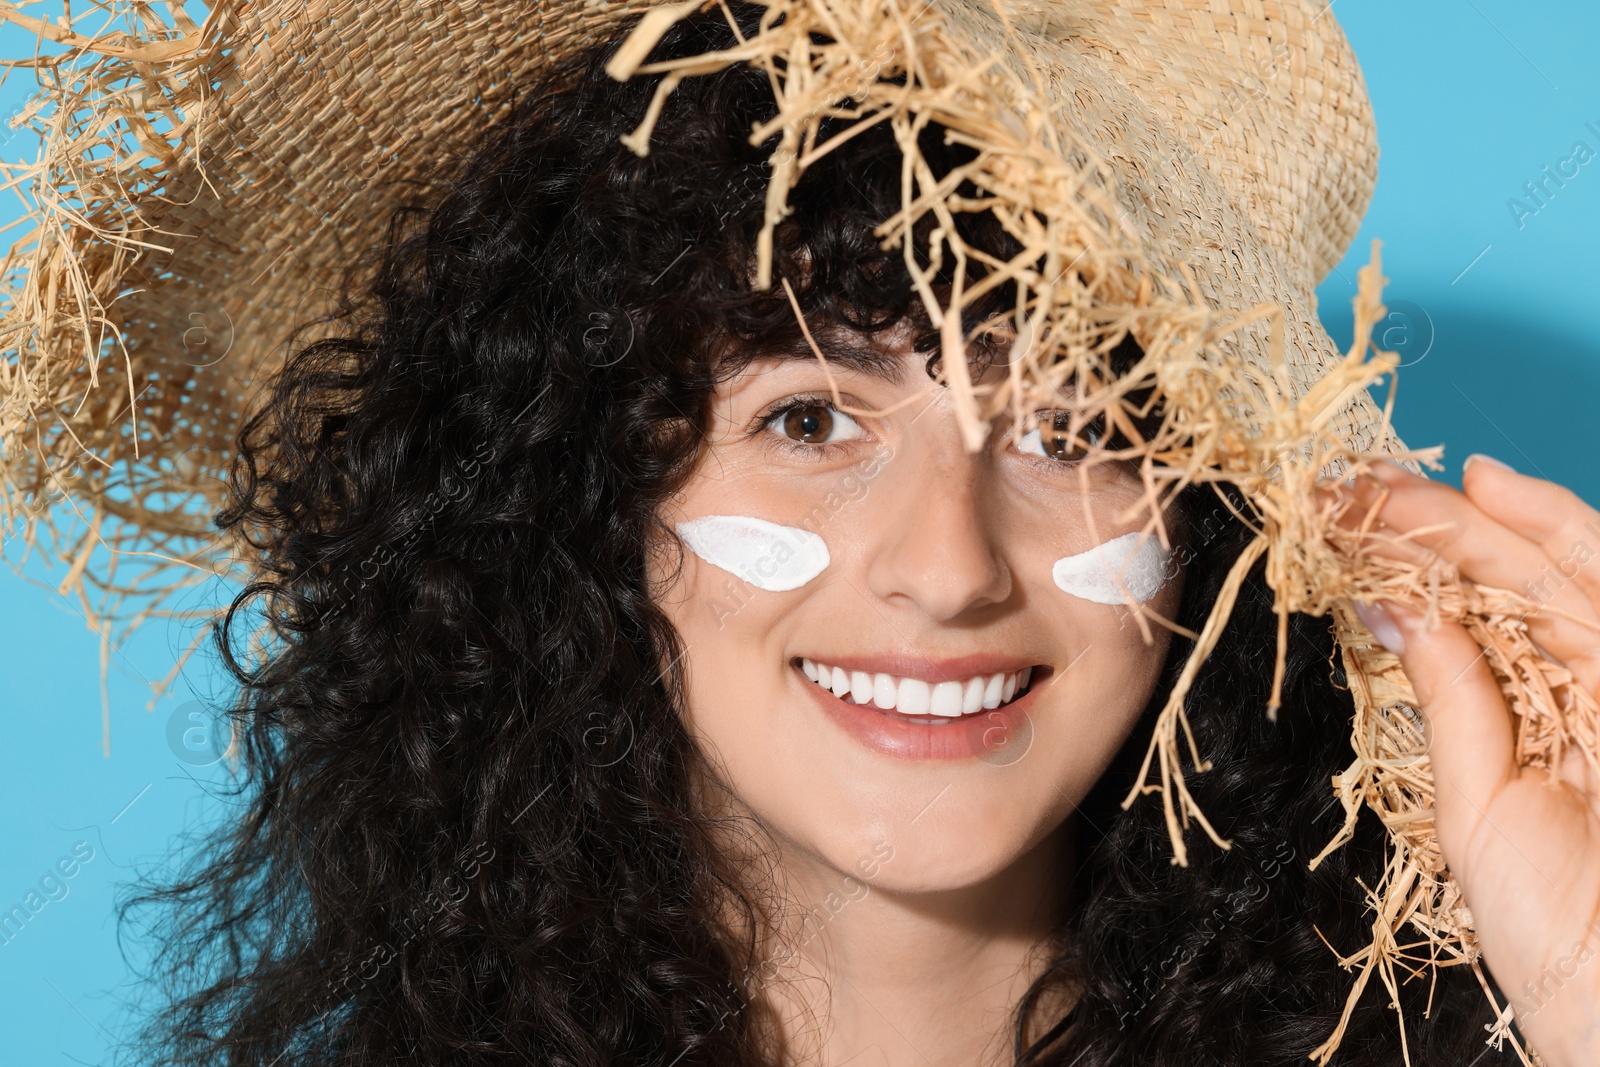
[(1133, 564), (765, 554)]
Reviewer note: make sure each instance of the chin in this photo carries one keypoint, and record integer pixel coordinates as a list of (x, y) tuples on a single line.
[(949, 861), (916, 827)]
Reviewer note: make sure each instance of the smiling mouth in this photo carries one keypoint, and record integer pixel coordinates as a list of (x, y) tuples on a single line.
[(919, 701)]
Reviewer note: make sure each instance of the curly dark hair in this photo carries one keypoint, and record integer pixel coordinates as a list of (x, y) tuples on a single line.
[(466, 832)]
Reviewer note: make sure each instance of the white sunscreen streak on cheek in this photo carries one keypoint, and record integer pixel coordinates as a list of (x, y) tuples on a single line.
[(768, 556), (1108, 573)]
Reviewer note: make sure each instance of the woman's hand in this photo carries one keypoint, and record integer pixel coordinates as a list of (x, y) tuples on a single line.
[(1525, 851)]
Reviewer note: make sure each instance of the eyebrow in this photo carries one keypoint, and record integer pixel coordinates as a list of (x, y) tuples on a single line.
[(849, 351)]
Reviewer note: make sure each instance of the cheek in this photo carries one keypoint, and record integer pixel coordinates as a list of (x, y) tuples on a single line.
[(730, 634), (1127, 644), (1087, 711), (1110, 658)]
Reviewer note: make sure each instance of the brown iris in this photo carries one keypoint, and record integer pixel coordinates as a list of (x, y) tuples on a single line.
[(1059, 444), (811, 423)]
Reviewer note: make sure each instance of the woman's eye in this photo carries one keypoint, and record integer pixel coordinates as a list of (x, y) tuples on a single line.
[(1054, 441), (814, 424)]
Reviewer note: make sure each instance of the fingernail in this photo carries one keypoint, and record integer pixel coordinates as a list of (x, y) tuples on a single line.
[(1382, 625), (1479, 457), (1388, 470)]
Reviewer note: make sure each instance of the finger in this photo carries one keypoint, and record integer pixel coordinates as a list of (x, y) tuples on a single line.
[(1550, 515), (1445, 521), (1473, 750), (1359, 509)]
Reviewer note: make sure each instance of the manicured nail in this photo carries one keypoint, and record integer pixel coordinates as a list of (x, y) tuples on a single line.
[(1387, 470), (1479, 457), (1382, 625)]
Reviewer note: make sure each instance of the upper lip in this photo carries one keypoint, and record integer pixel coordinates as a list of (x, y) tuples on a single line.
[(905, 665)]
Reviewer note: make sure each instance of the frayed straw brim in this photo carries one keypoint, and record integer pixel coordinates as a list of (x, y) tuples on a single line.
[(1185, 172)]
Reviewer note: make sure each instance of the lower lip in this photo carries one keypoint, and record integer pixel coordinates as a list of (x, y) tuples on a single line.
[(983, 735)]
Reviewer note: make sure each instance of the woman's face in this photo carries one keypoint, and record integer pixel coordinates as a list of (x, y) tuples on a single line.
[(937, 596)]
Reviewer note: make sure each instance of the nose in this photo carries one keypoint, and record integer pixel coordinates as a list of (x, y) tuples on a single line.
[(935, 547)]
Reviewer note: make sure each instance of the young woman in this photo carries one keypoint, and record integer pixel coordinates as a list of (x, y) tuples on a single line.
[(647, 690)]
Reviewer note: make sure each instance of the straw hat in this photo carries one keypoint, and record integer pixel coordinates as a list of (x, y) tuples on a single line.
[(278, 135), (1187, 171)]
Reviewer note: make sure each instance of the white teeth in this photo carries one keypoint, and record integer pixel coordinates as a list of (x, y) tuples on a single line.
[(912, 697), (946, 700), (915, 697), (883, 691), (991, 691), (972, 696)]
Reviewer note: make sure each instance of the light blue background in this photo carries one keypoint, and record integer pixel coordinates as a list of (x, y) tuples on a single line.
[(1473, 99)]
